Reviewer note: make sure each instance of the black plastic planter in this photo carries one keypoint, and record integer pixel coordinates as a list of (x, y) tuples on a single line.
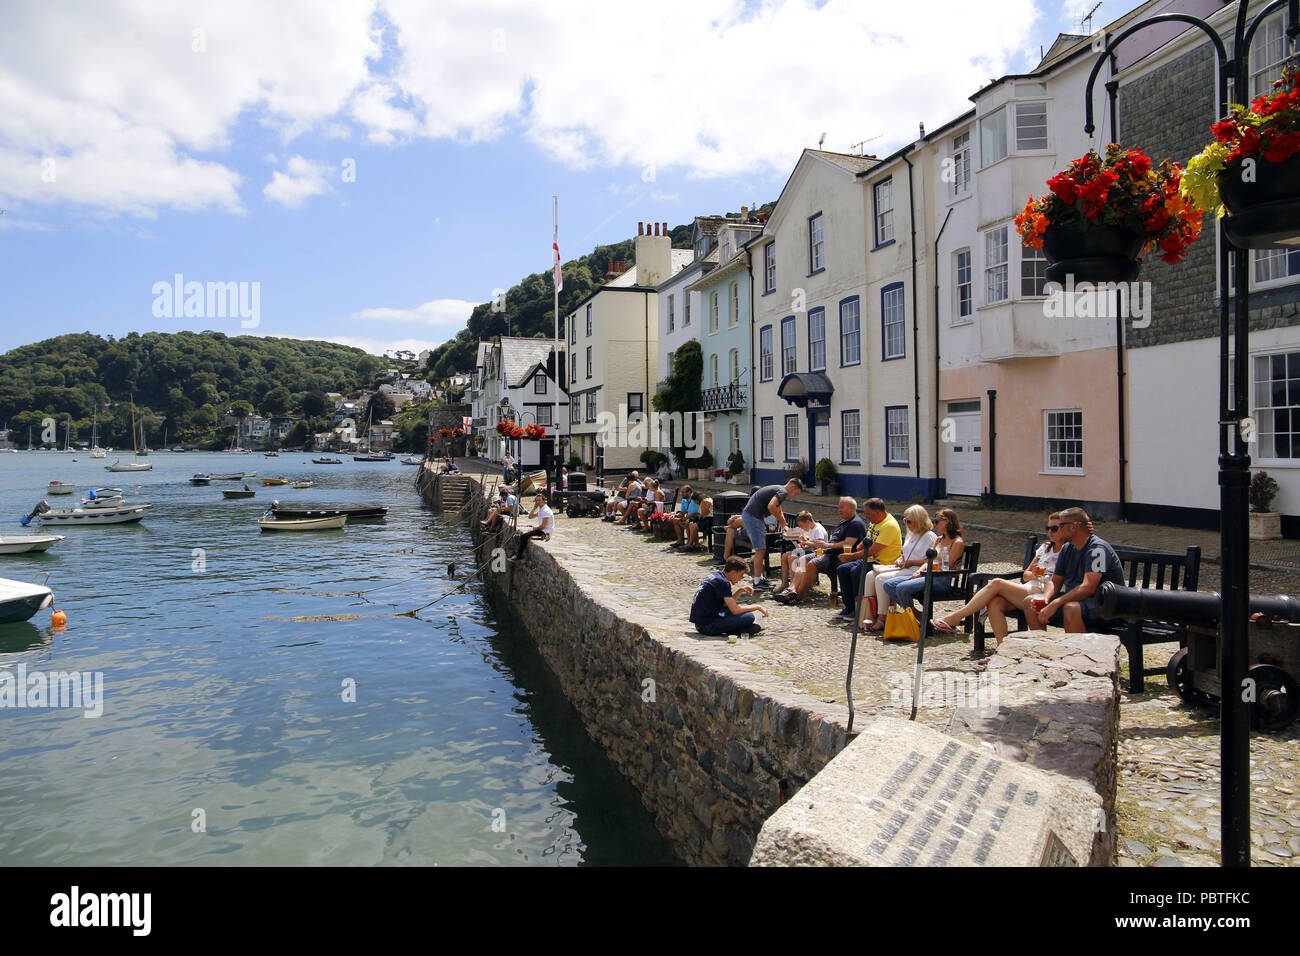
[(1264, 213), (1092, 253)]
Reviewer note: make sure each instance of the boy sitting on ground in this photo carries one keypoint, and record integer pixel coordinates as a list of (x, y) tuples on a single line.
[(714, 610)]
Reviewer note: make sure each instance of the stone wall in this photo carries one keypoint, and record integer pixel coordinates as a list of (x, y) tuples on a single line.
[(716, 747)]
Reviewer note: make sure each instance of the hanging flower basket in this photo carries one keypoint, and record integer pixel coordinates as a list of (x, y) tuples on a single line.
[(1251, 172), (1101, 214)]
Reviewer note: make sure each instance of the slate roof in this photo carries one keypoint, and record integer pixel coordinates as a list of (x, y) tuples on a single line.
[(519, 356)]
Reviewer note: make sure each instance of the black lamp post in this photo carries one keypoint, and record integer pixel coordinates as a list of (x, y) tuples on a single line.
[(1234, 460)]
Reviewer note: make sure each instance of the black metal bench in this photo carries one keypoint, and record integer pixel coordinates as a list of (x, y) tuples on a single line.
[(1152, 570)]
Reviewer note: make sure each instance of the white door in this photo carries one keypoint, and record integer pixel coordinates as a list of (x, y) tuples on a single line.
[(821, 442), (964, 455)]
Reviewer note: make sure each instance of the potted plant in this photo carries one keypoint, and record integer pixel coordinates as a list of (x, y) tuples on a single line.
[(1265, 525), (703, 465), (1252, 169), (1101, 214), (736, 466), (825, 473), (795, 469)]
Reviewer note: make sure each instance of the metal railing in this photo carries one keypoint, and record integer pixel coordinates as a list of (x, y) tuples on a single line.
[(724, 398)]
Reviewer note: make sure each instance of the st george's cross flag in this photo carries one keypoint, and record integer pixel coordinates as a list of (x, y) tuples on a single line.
[(555, 248)]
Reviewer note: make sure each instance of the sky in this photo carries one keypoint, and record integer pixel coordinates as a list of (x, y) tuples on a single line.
[(365, 171)]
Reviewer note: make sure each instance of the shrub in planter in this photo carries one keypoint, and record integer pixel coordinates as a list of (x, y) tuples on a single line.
[(575, 463), (736, 463), (1265, 525), (825, 473), (1102, 213), (1252, 169)]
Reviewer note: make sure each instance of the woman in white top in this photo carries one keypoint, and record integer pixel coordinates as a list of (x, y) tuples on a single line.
[(1002, 595), (920, 538), (545, 526), (654, 503)]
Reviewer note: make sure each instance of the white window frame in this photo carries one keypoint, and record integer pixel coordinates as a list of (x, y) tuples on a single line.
[(996, 271), (961, 164), (993, 138), (1035, 261), (791, 437), (539, 384), (686, 309), (672, 313), (588, 361), (588, 321), (1059, 437), (735, 305), (735, 437), (733, 365), (767, 439), (544, 412), (713, 369), (1029, 130), (1262, 412), (713, 313), (591, 406), (964, 291)]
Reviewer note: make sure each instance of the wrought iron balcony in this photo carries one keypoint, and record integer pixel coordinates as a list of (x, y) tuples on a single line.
[(724, 398)]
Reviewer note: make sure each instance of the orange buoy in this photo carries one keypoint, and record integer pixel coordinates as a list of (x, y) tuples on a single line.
[(58, 618)]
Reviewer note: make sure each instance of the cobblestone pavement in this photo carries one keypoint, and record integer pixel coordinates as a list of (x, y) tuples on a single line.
[(1168, 796)]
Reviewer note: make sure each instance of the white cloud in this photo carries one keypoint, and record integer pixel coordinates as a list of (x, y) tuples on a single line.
[(301, 179), (452, 313), (138, 121)]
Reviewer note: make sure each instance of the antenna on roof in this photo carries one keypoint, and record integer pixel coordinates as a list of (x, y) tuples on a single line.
[(1086, 23), (869, 139), (820, 141)]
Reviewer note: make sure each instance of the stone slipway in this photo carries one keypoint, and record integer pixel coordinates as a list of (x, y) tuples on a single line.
[(717, 736)]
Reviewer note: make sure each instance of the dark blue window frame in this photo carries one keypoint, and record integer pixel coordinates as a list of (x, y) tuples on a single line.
[(820, 310), (769, 282), (889, 462), (884, 350), (785, 437), (845, 460), (843, 302), (794, 345), (772, 335), (761, 456), (812, 271)]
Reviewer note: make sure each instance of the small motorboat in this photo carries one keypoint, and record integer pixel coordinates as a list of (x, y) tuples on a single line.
[(83, 517), (271, 454), (201, 480), (378, 456), (133, 466), (269, 482), (27, 543), (302, 524), (60, 488), (244, 492), (360, 513), (327, 461), (104, 498), (233, 476), (412, 460), (19, 600), (302, 484)]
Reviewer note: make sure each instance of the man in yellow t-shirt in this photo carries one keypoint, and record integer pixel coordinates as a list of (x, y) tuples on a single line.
[(886, 536), (884, 545)]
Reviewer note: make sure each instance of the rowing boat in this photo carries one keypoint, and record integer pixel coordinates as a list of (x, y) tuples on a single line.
[(238, 493), (303, 524), (371, 513)]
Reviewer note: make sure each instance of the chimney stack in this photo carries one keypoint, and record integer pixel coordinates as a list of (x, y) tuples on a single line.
[(654, 256), (744, 213)]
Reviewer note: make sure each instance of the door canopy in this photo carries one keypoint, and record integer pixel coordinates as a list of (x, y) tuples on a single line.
[(806, 388)]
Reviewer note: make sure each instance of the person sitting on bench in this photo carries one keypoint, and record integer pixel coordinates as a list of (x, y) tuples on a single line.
[(501, 509), (653, 504), (1002, 594), (1084, 562), (793, 556), (843, 540), (904, 589), (629, 487), (545, 524), (700, 523), (686, 506), (714, 610)]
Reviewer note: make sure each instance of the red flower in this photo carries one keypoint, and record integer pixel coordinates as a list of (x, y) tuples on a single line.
[(1065, 188)]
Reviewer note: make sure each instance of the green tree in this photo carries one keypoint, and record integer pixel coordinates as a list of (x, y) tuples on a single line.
[(276, 401)]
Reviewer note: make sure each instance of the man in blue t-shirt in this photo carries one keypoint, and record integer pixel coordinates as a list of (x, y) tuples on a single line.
[(714, 610), (1084, 562), (842, 543)]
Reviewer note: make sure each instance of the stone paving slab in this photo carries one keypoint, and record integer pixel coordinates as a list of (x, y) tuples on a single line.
[(1168, 752)]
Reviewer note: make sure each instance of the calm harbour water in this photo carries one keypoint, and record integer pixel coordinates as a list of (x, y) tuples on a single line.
[(223, 689)]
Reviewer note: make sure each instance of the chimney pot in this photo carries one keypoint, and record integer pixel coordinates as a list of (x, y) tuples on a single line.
[(665, 229), (640, 228), (656, 229)]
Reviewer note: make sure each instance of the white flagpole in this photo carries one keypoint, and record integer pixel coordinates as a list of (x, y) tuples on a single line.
[(556, 283)]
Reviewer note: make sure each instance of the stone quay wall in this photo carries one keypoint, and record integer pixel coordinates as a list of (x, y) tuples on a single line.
[(715, 745)]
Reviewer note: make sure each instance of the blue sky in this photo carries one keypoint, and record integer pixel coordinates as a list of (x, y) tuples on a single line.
[(216, 140)]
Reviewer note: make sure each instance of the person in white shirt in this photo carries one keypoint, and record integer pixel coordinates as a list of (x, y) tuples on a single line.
[(504, 506), (545, 524), (507, 466), (811, 530)]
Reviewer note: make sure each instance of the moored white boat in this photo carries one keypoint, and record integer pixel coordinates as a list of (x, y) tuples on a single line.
[(132, 466), (83, 517), (27, 543), (19, 600), (60, 488), (411, 460), (303, 484), (301, 524), (201, 479)]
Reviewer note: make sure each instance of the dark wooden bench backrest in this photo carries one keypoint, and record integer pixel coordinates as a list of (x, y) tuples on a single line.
[(1161, 570)]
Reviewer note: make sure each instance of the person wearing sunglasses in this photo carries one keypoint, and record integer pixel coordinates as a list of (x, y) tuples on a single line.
[(1002, 594)]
